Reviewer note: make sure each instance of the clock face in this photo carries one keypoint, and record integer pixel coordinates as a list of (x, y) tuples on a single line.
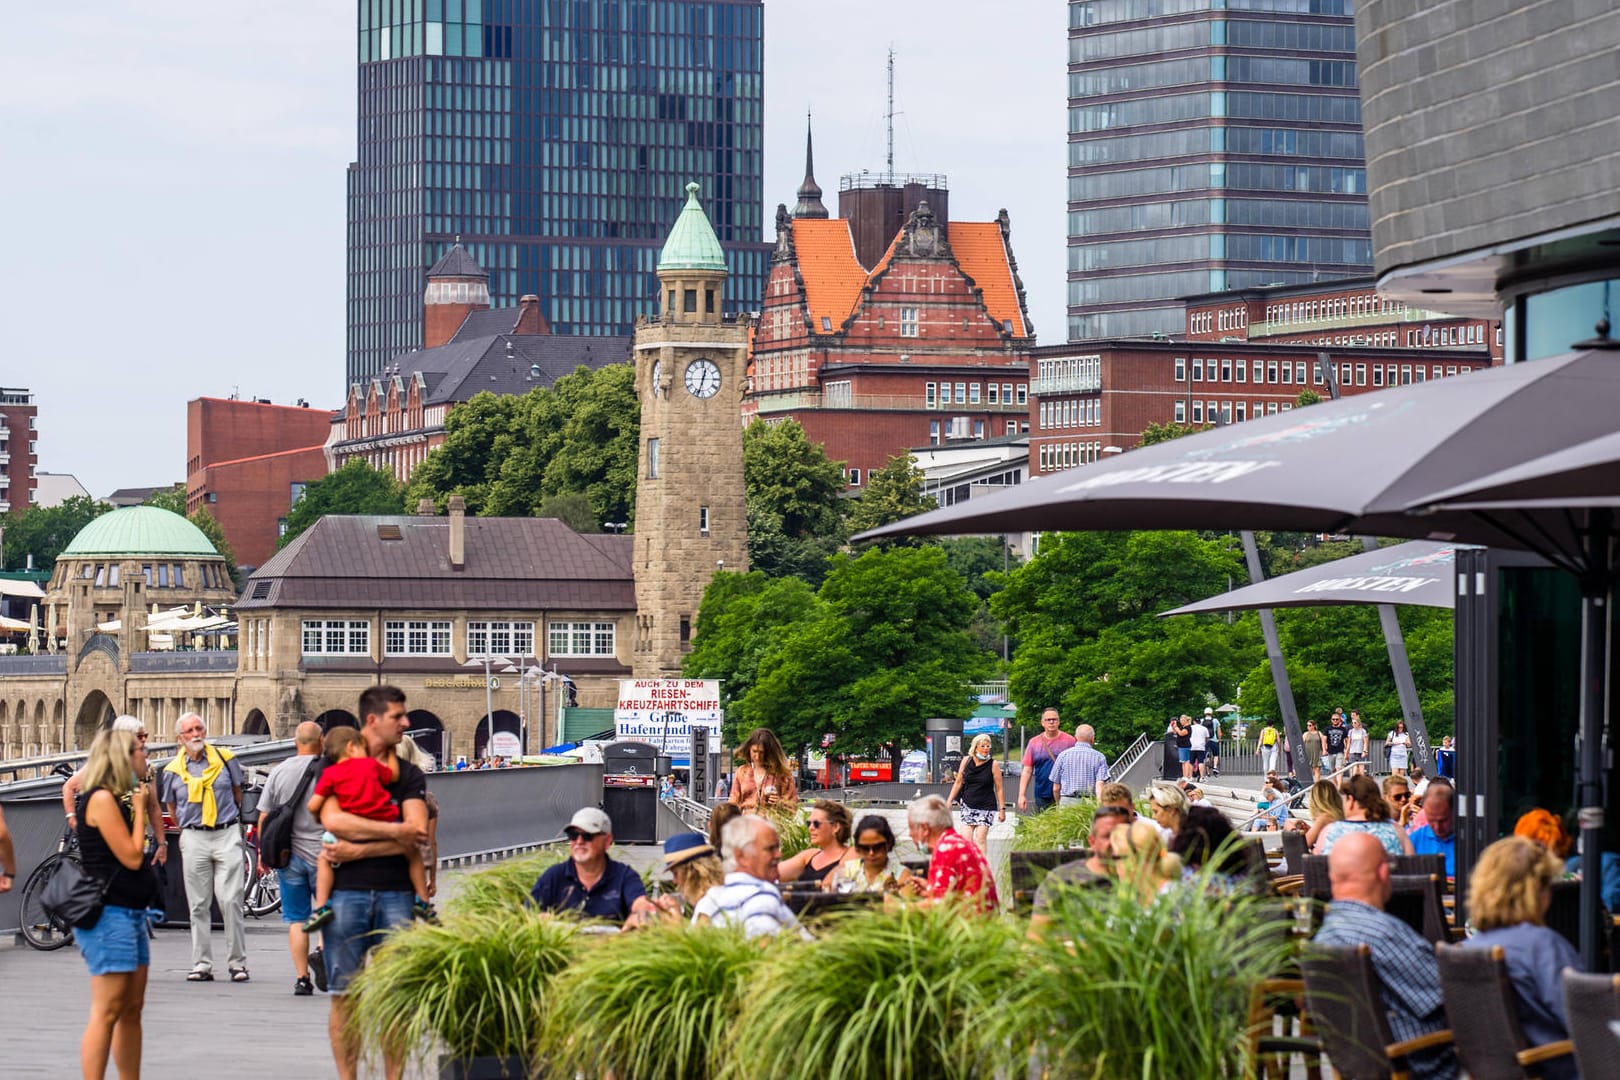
[(657, 376), (702, 378)]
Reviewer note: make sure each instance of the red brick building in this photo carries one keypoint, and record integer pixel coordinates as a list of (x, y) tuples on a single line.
[(929, 343), (19, 449), (248, 462)]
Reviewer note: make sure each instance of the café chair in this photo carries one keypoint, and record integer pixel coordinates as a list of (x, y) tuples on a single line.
[(1592, 1007), (1484, 1016), (1345, 1004)]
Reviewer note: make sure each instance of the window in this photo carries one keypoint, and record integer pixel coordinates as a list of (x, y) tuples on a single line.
[(1299, 373), (1361, 374), (1012, 427), (503, 639), (930, 395), (973, 393), (933, 431), (993, 393), (1288, 373), (1023, 394), (576, 638), (1198, 412), (1378, 375), (1181, 412), (652, 459), (961, 393), (337, 637), (1007, 394), (978, 428), (703, 520), (854, 477), (908, 322), (1242, 369), (1198, 370), (1181, 369), (416, 637), (1242, 411), (1271, 372), (1226, 371)]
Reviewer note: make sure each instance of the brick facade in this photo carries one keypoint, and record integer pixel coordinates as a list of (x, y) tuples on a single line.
[(19, 451)]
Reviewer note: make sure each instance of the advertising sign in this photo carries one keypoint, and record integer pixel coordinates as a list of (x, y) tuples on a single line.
[(664, 711), (504, 744)]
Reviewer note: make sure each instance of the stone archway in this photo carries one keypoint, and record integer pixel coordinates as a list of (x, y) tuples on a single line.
[(255, 723), (95, 713), (427, 731), (47, 738), (7, 736), (501, 721), (332, 718), (59, 722)]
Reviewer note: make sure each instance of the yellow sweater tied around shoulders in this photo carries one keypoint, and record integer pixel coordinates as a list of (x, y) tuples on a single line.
[(200, 789)]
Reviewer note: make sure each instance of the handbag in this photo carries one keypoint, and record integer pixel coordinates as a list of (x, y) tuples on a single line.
[(74, 898)]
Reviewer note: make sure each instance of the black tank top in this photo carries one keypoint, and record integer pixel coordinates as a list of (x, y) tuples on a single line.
[(810, 873), (128, 888), (979, 785)]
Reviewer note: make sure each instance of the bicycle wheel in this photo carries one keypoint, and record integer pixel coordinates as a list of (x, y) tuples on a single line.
[(262, 896), (39, 929)]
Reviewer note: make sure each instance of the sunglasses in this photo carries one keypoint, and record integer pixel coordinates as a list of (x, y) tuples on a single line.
[(576, 835), (814, 824), (871, 849), (1402, 797)]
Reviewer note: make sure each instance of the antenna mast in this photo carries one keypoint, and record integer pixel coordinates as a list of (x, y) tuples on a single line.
[(889, 116)]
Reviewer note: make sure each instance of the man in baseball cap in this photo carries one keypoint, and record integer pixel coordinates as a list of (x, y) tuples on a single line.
[(588, 881)]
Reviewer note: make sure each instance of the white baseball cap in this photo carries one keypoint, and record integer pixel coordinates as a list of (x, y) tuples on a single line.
[(591, 821), (1208, 711)]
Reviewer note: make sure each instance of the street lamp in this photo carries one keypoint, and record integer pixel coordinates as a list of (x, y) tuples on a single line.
[(616, 526), (541, 677), (487, 662)]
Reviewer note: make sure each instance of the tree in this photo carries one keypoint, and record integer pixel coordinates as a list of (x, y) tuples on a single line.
[(1307, 397), (215, 532), (739, 623), (598, 442), (43, 531), (1158, 433), (572, 509), (172, 499), (357, 488), (477, 436), (892, 493), (789, 476)]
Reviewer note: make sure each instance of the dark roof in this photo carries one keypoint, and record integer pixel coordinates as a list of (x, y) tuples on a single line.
[(511, 563), (136, 496), (503, 363), (488, 321), (457, 263)]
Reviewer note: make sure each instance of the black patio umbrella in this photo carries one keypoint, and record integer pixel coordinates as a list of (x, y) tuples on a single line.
[(1417, 572), (1548, 502)]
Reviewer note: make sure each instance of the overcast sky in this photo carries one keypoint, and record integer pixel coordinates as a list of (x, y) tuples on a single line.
[(173, 184)]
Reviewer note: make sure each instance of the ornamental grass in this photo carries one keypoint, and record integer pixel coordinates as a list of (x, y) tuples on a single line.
[(1127, 991), (1056, 827), (656, 1004), (479, 984), (503, 886), (881, 994), (791, 829)]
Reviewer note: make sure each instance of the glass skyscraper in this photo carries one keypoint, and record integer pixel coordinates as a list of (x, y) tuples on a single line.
[(1213, 144), (555, 139)]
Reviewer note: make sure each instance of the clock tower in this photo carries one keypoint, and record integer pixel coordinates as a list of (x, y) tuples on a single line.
[(691, 362)]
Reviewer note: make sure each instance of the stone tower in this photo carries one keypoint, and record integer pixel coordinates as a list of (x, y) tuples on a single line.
[(456, 287), (690, 519)]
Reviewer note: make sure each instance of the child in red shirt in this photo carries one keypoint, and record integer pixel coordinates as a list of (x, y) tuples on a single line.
[(359, 784)]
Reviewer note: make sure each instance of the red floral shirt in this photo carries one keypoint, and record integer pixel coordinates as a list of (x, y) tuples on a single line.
[(959, 866)]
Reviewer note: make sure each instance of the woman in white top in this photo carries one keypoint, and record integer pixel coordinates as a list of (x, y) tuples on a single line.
[(875, 869), (1400, 749)]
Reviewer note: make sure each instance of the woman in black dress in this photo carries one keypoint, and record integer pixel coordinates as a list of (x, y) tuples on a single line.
[(978, 783), (829, 844)]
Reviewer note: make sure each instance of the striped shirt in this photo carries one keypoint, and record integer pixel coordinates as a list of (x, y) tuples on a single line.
[(1078, 769), (748, 902)]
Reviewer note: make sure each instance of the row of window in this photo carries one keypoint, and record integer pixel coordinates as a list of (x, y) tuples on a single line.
[(1084, 13), (1076, 412), (1245, 104), (965, 427), (944, 395), (1252, 176), (1266, 70), (432, 637), (1335, 307), (158, 575), (1301, 372), (1057, 456)]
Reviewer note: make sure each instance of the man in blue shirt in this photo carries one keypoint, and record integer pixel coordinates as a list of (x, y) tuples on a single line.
[(589, 882), (1437, 835)]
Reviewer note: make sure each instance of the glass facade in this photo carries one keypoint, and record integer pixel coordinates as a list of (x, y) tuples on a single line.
[(554, 137), (1213, 144)]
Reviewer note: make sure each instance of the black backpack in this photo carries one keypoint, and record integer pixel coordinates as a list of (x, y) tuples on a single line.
[(276, 827)]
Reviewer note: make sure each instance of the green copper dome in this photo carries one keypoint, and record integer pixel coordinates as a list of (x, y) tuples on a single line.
[(692, 244), (140, 530)]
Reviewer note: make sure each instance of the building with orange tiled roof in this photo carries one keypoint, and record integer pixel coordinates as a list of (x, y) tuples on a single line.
[(925, 343)]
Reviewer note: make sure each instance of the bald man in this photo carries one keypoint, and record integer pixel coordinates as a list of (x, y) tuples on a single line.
[(1080, 771), (1408, 977), (298, 876)]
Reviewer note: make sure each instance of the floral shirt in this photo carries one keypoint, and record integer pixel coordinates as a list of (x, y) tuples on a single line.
[(850, 876), (958, 866), (745, 789)]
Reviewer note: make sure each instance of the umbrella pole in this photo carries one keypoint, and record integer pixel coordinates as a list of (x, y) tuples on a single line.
[(1596, 585), (1279, 668)]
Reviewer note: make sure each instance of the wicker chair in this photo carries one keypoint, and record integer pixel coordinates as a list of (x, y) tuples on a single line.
[(1294, 851), (1564, 916), (1279, 995), (1345, 1004), (1592, 1006), (1484, 1016), (1415, 900)]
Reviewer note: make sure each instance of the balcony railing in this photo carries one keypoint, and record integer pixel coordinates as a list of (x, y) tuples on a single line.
[(1065, 384), (769, 401)]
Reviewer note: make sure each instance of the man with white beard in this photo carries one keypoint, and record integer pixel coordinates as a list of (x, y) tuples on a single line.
[(203, 789)]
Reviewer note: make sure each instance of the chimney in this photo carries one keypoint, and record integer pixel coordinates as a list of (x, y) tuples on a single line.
[(530, 320), (458, 536), (425, 508)]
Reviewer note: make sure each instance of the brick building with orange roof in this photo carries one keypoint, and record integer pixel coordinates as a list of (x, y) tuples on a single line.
[(929, 343)]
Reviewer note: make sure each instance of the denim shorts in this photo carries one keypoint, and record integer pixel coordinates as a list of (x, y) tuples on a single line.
[(118, 943), (360, 920), (1184, 753), (297, 889)]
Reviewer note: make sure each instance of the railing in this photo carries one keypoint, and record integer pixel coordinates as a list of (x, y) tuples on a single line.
[(47, 664), (1065, 384), (693, 814), (183, 660), (1133, 753)]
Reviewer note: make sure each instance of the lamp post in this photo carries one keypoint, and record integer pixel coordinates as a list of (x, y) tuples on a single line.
[(541, 677), (616, 526), (487, 663)]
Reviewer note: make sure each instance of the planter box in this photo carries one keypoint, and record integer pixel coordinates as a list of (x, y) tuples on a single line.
[(483, 1068)]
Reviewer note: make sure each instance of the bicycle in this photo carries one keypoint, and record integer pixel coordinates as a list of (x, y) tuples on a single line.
[(262, 894), (39, 929)]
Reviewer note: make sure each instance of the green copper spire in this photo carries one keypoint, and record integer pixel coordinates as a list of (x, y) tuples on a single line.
[(692, 244)]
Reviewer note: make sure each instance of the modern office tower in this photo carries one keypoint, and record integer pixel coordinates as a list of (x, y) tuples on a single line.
[(1213, 145), (555, 141)]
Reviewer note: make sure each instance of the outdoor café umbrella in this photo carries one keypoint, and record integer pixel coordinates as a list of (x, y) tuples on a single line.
[(1416, 572)]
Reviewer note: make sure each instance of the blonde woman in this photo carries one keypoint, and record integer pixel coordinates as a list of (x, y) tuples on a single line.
[(1141, 862), (829, 825), (764, 780), (111, 811), (978, 785), (1508, 898), (1169, 806), (1326, 808), (696, 868)]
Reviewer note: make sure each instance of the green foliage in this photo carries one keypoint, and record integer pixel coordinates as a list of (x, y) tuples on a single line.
[(1085, 614), (739, 623), (1307, 397), (357, 488), (211, 528), (792, 830), (481, 984), (883, 995), (504, 886), (573, 509), (892, 493), (789, 476), (43, 531), (1145, 990), (1158, 433), (172, 499), (659, 1004), (1053, 828), (508, 454), (981, 560)]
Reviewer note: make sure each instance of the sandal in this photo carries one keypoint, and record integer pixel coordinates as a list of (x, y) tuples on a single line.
[(318, 918), (239, 974), (200, 975)]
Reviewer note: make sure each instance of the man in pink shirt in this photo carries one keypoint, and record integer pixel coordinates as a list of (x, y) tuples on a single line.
[(1039, 755)]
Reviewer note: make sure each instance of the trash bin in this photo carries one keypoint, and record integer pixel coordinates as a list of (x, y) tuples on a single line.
[(630, 791), (1172, 758), (944, 748)]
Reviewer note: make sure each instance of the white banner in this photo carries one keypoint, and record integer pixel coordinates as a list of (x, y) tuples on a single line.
[(664, 712)]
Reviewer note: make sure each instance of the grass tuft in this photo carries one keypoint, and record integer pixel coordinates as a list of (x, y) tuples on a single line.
[(504, 886)]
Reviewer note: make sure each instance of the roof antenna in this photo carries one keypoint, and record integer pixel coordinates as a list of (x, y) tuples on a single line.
[(889, 117)]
